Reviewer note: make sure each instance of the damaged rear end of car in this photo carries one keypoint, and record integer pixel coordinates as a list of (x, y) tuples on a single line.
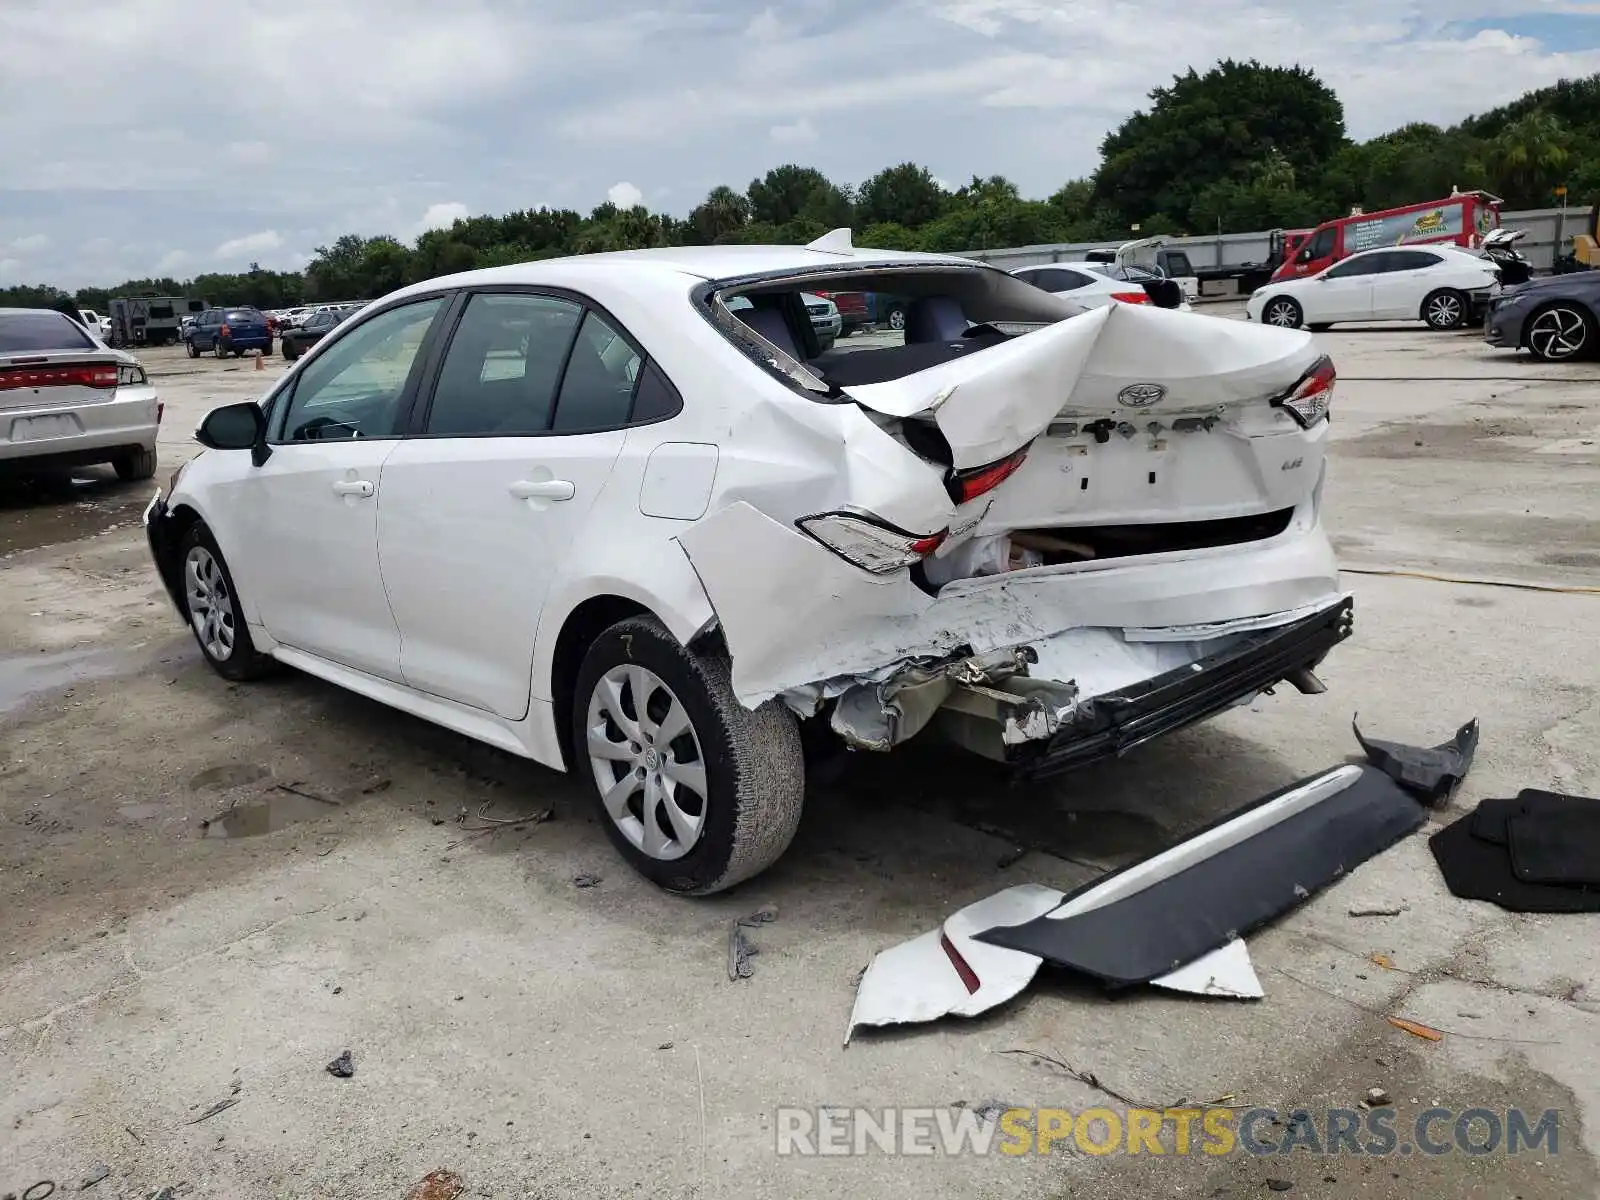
[(1047, 534)]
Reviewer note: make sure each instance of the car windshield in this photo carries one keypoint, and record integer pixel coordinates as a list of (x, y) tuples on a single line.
[(26, 332)]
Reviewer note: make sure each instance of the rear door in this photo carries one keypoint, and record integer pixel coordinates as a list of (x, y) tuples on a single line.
[(482, 505), (1400, 282)]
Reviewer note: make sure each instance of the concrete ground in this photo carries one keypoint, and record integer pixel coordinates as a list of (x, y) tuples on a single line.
[(547, 1039)]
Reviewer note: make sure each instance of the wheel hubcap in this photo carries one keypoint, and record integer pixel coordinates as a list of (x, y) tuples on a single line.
[(1559, 333), (647, 762), (210, 605), (1282, 314), (897, 320), (1445, 311)]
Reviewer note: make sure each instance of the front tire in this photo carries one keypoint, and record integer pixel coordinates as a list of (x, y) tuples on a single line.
[(216, 348), (136, 464), (1444, 309), (211, 603), (1283, 313), (696, 791), (1560, 333), (291, 350), (896, 319), (194, 351)]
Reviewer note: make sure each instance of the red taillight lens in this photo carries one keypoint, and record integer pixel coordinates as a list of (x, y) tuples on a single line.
[(1309, 400), (972, 483), (866, 542), (94, 375), (224, 331), (1132, 297)]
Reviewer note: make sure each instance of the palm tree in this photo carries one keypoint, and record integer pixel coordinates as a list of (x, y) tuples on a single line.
[(1527, 157)]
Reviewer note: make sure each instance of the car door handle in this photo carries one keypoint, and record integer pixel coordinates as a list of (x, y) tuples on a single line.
[(353, 487), (543, 489)]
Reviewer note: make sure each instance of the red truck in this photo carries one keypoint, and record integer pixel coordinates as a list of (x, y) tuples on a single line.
[(1461, 219)]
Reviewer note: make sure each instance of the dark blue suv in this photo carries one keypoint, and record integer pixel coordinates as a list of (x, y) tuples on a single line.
[(225, 331)]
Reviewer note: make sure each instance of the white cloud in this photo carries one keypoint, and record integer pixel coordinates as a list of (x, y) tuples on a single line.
[(250, 245), (9, 267), (30, 243), (172, 260), (442, 216), (766, 26), (625, 195), (796, 133), (252, 153)]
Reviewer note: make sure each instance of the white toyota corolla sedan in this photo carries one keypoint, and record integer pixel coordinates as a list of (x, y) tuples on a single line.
[(622, 515)]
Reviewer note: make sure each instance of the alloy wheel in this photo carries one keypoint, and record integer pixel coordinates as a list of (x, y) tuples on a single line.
[(1558, 333), (210, 603), (897, 318), (646, 758), (1283, 314), (1444, 312)]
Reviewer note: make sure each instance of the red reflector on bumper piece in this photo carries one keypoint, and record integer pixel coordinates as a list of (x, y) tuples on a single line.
[(969, 977)]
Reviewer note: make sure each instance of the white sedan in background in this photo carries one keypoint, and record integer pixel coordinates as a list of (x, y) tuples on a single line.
[(1094, 284), (1442, 286)]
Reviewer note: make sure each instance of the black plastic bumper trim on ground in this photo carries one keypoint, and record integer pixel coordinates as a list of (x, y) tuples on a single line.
[(1184, 916), (1111, 725)]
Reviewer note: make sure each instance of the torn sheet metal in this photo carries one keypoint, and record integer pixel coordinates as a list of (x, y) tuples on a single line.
[(882, 713), (1430, 772), (1148, 919), (991, 404)]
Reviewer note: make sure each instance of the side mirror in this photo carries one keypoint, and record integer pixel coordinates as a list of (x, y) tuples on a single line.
[(236, 427)]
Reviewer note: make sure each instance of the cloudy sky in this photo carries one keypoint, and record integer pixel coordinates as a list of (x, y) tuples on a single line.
[(160, 136)]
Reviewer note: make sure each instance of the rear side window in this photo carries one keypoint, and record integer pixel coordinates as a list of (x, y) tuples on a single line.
[(597, 390), (504, 362), (1410, 260), (24, 333), (1177, 263)]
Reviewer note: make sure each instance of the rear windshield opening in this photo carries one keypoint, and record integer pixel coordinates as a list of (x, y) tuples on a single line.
[(889, 323), (25, 333), (243, 316)]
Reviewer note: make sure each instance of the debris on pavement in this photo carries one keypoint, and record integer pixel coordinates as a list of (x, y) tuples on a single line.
[(1537, 852), (437, 1185), (219, 1106), (1431, 772), (1284, 1185), (1377, 1097), (1426, 1032), (342, 1067), (1377, 912), (1382, 960), (740, 951), (96, 1173), (1188, 904), (586, 881)]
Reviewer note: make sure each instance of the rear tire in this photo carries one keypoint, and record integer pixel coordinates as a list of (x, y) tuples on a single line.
[(216, 348), (1320, 327), (136, 464), (1444, 309), (1283, 313), (896, 318), (290, 350), (194, 351), (211, 603), (1560, 332), (712, 794)]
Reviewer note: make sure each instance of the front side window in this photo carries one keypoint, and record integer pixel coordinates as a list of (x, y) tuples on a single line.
[(354, 388), (504, 363), (1321, 245)]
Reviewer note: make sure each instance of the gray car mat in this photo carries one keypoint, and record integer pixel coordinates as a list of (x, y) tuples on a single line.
[(1178, 919)]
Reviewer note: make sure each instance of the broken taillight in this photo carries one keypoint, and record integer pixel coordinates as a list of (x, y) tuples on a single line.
[(975, 481), (868, 543), (1308, 401), (1132, 297)]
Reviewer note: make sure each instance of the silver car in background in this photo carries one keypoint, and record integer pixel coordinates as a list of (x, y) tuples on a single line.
[(67, 399)]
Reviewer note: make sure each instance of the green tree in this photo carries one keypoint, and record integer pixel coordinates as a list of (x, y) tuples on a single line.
[(1213, 127), (789, 192), (1528, 157), (720, 216), (905, 195)]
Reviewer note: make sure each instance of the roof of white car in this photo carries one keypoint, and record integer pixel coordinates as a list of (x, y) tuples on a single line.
[(700, 262)]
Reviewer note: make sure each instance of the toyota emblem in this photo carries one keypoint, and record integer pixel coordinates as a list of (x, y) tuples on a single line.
[(1140, 395)]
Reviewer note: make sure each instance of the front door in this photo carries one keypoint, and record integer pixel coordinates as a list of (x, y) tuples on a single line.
[(1341, 293), (481, 508), (309, 514)]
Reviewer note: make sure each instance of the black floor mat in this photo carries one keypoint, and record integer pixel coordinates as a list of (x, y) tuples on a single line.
[(1559, 840)]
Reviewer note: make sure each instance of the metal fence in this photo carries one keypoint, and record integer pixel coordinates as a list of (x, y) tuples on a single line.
[(1550, 233)]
